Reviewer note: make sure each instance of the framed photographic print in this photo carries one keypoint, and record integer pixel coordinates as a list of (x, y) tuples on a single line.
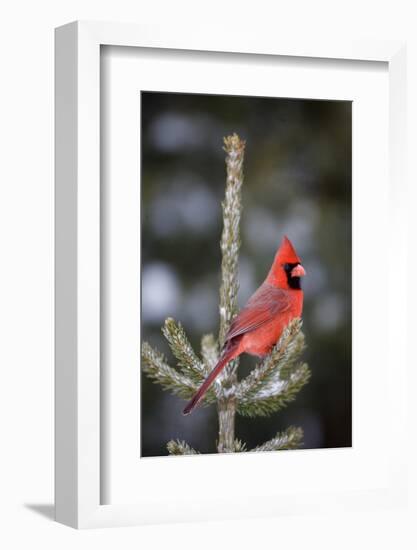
[(222, 236)]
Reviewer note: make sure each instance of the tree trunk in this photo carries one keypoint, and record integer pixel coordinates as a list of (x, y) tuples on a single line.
[(227, 411)]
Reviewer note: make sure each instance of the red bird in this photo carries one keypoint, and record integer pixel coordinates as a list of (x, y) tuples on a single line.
[(259, 325)]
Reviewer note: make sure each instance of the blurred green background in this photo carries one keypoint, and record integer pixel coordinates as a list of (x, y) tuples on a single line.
[(297, 182)]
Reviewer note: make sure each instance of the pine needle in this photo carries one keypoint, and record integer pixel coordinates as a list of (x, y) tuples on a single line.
[(177, 447), (290, 439)]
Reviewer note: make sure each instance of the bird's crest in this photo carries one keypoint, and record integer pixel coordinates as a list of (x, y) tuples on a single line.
[(286, 253)]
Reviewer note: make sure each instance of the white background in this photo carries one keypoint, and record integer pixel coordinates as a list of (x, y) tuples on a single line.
[(26, 300)]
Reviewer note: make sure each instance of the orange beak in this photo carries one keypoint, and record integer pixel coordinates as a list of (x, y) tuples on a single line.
[(298, 271)]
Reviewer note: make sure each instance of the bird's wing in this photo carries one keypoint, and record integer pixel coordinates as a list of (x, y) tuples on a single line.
[(267, 302)]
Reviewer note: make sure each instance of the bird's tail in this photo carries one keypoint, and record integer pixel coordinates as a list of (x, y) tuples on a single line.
[(228, 355)]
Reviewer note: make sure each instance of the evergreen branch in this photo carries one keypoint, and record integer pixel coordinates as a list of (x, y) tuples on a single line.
[(240, 446), (269, 376), (181, 348), (294, 352), (229, 245), (155, 366), (277, 380), (209, 351), (177, 447), (264, 404), (230, 240), (290, 439), (188, 361)]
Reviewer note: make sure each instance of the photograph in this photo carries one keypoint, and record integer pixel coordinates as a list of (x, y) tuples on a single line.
[(246, 274)]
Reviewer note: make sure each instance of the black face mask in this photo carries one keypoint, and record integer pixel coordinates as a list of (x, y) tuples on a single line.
[(293, 282)]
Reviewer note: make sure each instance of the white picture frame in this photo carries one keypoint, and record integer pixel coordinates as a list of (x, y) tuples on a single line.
[(78, 426)]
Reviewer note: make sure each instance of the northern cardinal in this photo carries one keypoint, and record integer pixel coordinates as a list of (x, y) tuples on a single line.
[(259, 325)]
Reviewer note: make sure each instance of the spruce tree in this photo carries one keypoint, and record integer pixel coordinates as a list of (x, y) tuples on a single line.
[(270, 386)]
